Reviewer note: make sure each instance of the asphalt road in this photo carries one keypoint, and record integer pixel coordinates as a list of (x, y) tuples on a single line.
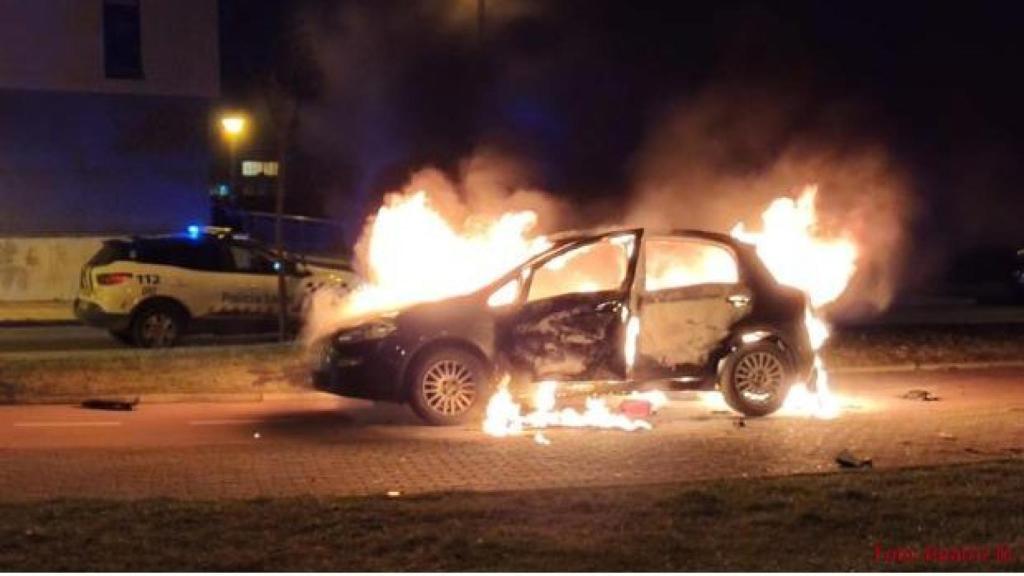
[(322, 445), (77, 337)]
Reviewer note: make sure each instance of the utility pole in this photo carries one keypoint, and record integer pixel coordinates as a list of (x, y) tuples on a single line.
[(481, 22), (288, 118)]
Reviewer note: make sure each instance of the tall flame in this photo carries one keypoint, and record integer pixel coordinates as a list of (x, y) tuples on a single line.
[(800, 254), (413, 254)]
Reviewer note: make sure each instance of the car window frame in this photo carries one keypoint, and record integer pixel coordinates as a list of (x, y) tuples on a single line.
[(147, 247), (624, 286), (257, 250), (740, 271)]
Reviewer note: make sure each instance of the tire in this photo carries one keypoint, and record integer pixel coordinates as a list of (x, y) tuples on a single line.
[(449, 386), (157, 326), (755, 379)]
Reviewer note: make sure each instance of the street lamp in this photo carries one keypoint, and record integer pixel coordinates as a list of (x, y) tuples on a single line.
[(233, 126)]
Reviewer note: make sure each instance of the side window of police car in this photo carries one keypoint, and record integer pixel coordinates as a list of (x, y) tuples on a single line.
[(192, 254), (249, 261)]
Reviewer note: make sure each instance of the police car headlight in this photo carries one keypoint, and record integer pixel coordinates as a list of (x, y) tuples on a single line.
[(375, 330)]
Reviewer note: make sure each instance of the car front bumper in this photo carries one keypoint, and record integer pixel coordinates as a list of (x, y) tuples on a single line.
[(93, 314), (368, 369)]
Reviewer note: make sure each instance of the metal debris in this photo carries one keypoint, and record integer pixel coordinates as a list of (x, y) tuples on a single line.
[(110, 404), (636, 408), (847, 459), (919, 394)]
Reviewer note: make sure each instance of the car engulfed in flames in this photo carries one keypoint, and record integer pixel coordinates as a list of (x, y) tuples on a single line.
[(614, 310)]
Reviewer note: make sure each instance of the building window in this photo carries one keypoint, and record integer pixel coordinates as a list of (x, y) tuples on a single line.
[(252, 168), (122, 39)]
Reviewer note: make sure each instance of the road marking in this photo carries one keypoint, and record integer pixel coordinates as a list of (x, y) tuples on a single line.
[(224, 422), (87, 424)]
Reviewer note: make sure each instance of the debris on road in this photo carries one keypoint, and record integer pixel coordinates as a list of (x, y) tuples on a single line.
[(110, 404), (739, 422), (946, 436), (394, 493), (256, 435), (541, 439), (636, 408), (847, 459), (919, 394)]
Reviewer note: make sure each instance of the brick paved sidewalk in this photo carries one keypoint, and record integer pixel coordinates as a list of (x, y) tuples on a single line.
[(690, 442)]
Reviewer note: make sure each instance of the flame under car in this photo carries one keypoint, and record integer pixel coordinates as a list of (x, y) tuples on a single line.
[(622, 309)]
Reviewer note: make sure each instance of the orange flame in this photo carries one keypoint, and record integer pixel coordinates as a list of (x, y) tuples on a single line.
[(505, 417), (414, 254), (799, 254)]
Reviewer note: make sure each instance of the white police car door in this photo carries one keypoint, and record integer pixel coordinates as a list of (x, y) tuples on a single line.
[(253, 289)]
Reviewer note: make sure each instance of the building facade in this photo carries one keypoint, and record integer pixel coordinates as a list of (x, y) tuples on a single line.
[(105, 114), (105, 129)]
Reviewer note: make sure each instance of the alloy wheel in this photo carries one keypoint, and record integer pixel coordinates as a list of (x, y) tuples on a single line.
[(759, 376), (449, 387)]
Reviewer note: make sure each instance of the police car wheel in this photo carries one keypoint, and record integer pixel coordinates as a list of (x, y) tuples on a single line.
[(157, 327)]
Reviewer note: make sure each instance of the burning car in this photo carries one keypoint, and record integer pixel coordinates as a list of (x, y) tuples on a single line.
[(616, 309)]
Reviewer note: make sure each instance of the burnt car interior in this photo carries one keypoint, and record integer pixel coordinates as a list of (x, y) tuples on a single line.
[(570, 325), (687, 294)]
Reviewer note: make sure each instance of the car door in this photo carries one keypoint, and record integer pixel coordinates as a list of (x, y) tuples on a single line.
[(692, 295), (571, 325), (252, 291)]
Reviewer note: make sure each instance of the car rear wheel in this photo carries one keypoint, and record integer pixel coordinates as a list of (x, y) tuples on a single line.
[(449, 386), (756, 379), (157, 327)]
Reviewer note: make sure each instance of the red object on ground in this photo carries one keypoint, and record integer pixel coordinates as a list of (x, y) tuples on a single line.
[(636, 408)]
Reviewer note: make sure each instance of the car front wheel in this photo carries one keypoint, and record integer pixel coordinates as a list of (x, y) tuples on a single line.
[(449, 386), (755, 379)]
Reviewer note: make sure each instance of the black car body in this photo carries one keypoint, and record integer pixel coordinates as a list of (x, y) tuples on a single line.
[(534, 323)]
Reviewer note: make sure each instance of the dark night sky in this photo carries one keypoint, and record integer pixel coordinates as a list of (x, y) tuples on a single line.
[(578, 86)]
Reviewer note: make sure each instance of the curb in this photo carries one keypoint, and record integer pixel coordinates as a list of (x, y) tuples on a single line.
[(37, 323), (170, 398), (927, 367)]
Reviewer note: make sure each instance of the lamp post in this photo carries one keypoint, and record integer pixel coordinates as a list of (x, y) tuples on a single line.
[(233, 126)]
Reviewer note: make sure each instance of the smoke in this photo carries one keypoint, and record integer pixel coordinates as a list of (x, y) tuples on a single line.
[(721, 157)]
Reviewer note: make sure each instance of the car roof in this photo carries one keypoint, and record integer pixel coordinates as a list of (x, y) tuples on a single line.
[(589, 234)]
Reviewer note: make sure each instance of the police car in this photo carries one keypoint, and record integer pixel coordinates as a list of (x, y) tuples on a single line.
[(148, 291)]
